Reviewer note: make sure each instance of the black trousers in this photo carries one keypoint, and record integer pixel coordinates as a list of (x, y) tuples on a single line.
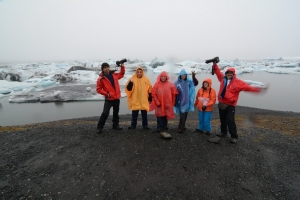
[(227, 120), (182, 120), (135, 114), (106, 108), (162, 123)]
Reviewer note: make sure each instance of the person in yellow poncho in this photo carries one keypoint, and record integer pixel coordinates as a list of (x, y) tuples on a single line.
[(138, 90)]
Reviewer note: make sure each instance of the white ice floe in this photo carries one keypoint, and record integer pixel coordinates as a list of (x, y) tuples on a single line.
[(33, 82)]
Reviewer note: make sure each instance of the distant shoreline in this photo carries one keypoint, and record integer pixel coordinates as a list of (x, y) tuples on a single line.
[(126, 118)]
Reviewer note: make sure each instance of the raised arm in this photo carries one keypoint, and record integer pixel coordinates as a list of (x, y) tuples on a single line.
[(122, 72), (218, 71)]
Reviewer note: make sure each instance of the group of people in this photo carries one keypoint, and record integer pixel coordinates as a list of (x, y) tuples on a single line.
[(168, 99)]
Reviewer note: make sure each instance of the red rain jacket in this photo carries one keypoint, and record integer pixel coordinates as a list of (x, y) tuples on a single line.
[(233, 88), (105, 87)]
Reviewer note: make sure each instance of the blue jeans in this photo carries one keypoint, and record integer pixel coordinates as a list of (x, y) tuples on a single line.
[(135, 114), (204, 120)]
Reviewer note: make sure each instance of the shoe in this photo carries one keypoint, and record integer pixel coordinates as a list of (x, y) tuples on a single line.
[(215, 140), (146, 128), (180, 130), (165, 135), (198, 131), (131, 127), (117, 127), (208, 133), (99, 130), (233, 140), (221, 134)]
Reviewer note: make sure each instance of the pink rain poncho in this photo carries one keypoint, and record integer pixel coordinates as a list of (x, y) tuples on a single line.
[(163, 97)]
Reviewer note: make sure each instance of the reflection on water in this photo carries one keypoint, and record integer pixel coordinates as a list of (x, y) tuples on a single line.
[(59, 104), (281, 95)]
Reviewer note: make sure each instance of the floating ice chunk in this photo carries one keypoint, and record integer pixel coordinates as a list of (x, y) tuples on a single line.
[(156, 62), (46, 83), (278, 71), (88, 89), (236, 62), (5, 91), (247, 70), (25, 96), (255, 83)]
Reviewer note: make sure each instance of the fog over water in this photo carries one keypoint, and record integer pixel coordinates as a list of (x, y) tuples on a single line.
[(283, 95)]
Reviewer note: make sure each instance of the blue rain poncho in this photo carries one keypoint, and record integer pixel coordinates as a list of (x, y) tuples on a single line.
[(186, 97)]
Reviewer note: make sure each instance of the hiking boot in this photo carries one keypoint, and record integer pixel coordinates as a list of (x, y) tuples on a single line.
[(117, 127), (215, 140), (198, 131), (99, 130), (221, 134), (131, 127), (233, 140), (208, 133), (146, 128), (165, 135), (180, 130)]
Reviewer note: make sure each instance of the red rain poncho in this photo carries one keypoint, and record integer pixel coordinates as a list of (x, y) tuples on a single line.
[(163, 97)]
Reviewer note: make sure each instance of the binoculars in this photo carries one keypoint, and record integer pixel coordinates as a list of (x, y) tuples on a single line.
[(121, 62), (216, 60)]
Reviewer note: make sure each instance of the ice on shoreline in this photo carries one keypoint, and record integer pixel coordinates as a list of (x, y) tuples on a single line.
[(31, 82)]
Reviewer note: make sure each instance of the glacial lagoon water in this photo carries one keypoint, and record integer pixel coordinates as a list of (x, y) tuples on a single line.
[(283, 94)]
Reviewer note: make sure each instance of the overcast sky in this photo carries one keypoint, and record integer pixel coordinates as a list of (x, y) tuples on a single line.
[(64, 30)]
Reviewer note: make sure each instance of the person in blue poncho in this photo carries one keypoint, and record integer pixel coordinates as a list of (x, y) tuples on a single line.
[(185, 98)]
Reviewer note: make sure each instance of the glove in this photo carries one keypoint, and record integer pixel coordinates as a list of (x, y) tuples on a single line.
[(203, 108)]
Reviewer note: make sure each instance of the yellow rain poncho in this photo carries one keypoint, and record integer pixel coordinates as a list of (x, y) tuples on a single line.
[(137, 98)]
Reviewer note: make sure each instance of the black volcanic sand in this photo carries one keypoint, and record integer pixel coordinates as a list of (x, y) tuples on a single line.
[(68, 160)]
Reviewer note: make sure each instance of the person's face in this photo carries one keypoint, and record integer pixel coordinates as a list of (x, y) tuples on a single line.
[(163, 78), (183, 76), (106, 70), (205, 84), (139, 73), (229, 75)]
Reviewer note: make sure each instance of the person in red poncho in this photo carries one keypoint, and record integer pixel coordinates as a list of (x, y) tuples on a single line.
[(230, 88), (163, 100)]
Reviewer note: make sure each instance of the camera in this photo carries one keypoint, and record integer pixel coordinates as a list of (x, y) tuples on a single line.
[(121, 62), (216, 59)]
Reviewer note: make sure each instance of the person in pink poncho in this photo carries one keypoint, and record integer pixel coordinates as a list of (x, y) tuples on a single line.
[(163, 100)]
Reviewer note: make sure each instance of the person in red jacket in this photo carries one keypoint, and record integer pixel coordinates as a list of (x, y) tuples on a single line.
[(108, 86), (230, 88)]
